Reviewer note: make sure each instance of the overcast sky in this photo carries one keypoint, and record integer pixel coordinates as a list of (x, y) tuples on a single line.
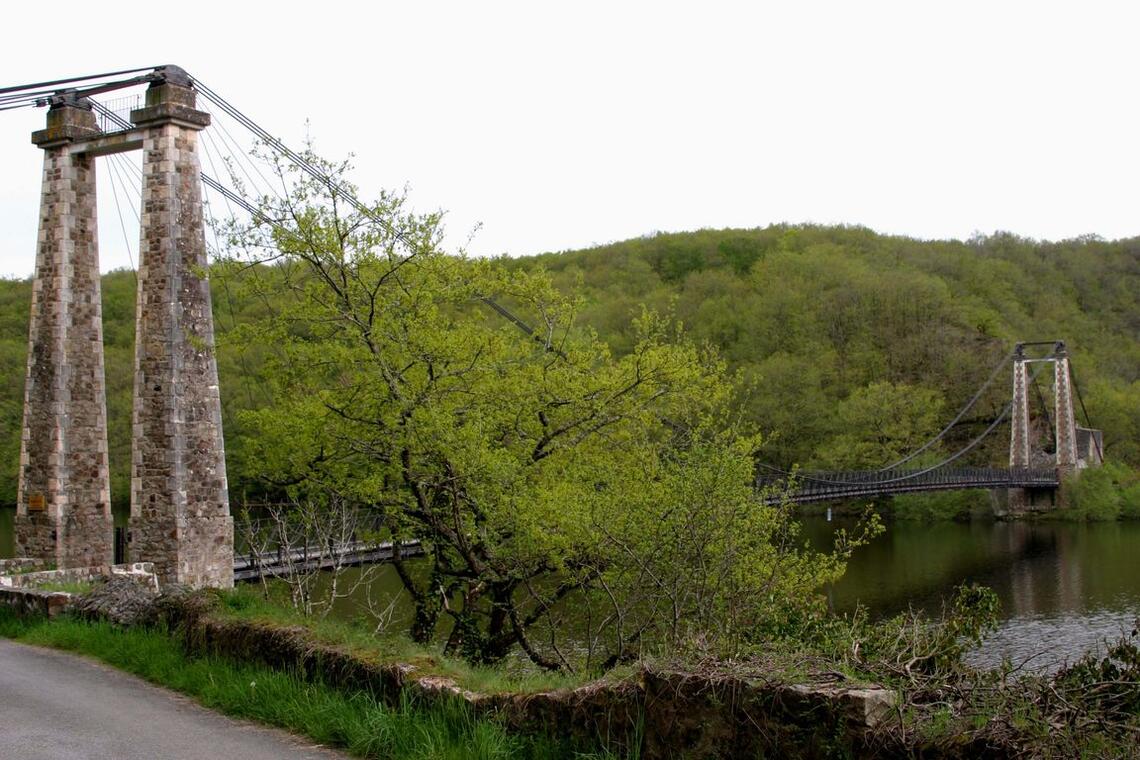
[(563, 126)]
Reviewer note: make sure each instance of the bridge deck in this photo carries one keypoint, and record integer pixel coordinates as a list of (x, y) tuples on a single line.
[(809, 487), (805, 487), (304, 559)]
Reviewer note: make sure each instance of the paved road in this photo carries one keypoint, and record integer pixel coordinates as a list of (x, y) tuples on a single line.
[(56, 706)]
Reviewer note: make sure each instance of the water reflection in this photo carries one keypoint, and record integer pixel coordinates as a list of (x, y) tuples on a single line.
[(1064, 587)]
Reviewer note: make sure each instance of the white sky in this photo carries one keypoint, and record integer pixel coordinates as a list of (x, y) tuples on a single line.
[(563, 126)]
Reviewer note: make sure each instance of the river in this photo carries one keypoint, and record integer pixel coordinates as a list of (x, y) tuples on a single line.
[(1064, 587)]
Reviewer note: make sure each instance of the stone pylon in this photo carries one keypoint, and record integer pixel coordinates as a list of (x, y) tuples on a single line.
[(180, 517), (1020, 454), (63, 512), (1064, 415), (1019, 413)]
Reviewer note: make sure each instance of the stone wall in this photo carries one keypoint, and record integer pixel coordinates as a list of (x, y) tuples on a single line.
[(140, 572), (22, 565), (31, 601), (653, 713)]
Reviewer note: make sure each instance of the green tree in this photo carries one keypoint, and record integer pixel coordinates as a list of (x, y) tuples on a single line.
[(881, 423), (539, 472)]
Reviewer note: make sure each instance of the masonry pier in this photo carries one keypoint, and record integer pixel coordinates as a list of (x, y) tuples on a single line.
[(63, 512), (180, 518), (180, 515)]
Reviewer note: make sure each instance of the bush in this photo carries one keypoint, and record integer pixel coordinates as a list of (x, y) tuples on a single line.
[(1103, 493), (943, 505)]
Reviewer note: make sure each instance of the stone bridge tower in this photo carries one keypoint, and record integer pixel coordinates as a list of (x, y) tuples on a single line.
[(179, 504), (63, 512), (1075, 447)]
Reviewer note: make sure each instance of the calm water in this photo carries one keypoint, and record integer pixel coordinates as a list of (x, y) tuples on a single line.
[(1064, 588)]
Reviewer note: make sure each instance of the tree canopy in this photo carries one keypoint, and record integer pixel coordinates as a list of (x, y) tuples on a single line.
[(539, 471)]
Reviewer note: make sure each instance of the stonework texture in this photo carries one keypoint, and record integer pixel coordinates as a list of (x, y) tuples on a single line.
[(1022, 453), (1064, 417), (1019, 419), (180, 516), (64, 501)]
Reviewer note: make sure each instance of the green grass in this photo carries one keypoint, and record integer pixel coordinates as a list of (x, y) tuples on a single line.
[(248, 603), (351, 720)]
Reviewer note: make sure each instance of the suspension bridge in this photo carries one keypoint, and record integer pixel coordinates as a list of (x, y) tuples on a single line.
[(1034, 474), (197, 168)]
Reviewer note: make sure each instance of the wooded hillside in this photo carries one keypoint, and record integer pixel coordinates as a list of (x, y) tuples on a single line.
[(851, 347)]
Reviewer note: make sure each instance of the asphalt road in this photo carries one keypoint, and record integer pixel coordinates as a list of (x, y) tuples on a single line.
[(56, 706)]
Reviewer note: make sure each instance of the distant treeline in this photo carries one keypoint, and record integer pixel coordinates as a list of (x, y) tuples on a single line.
[(850, 347), (854, 346)]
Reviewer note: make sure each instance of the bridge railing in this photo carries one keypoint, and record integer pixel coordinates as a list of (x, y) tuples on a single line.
[(814, 485), (287, 539), (114, 115)]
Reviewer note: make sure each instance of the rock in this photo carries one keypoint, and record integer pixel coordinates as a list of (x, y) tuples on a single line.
[(864, 707), (121, 600)]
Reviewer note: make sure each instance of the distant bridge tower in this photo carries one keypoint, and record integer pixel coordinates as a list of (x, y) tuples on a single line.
[(1075, 447), (180, 516)]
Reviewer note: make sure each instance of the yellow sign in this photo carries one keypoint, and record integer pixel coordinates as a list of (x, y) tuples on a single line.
[(36, 502)]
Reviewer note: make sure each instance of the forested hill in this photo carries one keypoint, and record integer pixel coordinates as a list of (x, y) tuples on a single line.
[(852, 347), (856, 345)]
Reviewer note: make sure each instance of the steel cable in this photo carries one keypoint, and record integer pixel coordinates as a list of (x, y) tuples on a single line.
[(909, 475), (969, 405)]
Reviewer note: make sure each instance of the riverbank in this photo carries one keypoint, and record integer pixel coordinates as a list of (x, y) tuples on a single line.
[(378, 697)]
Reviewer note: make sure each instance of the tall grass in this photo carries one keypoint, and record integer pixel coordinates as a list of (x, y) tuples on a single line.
[(249, 603), (351, 720)]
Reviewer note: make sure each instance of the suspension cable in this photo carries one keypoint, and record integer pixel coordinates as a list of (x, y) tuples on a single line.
[(296, 158), (54, 82), (1088, 421), (909, 475), (969, 405), (342, 191), (1044, 408), (116, 180)]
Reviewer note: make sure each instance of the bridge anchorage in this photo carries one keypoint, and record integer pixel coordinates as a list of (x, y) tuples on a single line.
[(1038, 464)]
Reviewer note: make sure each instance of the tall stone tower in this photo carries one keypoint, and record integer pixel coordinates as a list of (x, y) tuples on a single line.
[(180, 517), (1019, 412), (180, 514), (63, 512), (1021, 455), (1064, 415)]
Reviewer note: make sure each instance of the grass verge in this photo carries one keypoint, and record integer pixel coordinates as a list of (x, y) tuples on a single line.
[(353, 721), (249, 603)]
